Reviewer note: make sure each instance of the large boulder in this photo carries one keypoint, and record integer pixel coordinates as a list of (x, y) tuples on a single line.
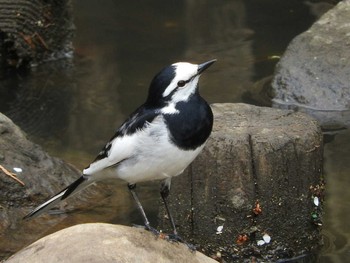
[(106, 243), (313, 74), (37, 170), (255, 192), (42, 176)]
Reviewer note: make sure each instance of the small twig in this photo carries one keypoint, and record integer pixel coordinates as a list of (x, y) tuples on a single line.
[(33, 39), (41, 40), (12, 175), (313, 149)]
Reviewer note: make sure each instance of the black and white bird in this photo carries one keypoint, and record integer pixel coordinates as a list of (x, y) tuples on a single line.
[(158, 141)]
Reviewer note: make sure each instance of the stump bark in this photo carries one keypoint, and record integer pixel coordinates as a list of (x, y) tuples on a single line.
[(33, 31), (257, 178)]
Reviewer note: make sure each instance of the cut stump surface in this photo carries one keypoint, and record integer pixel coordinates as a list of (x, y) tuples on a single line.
[(258, 174)]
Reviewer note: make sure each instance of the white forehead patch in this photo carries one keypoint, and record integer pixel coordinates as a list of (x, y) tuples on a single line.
[(183, 71)]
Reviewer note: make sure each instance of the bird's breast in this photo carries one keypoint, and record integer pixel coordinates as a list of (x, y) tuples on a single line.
[(192, 125), (155, 156)]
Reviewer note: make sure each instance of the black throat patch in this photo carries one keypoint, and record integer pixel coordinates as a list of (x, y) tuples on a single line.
[(192, 126)]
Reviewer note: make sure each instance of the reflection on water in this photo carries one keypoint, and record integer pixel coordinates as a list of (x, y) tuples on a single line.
[(72, 108), (329, 119), (337, 227)]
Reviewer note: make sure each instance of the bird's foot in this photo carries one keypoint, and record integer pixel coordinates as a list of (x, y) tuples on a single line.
[(168, 237), (152, 230), (177, 238)]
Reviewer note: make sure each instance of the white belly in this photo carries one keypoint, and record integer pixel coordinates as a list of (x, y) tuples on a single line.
[(155, 160), (146, 155)]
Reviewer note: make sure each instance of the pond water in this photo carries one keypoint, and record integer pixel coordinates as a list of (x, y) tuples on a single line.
[(71, 108)]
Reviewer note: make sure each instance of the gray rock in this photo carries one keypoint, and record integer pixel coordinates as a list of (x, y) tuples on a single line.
[(255, 176), (39, 170), (42, 175), (313, 74), (106, 243)]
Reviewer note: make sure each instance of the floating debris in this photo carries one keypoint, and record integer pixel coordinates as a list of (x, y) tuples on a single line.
[(316, 219), (260, 242), (274, 57), (12, 175), (266, 238), (241, 239), (318, 190), (219, 218), (257, 209), (219, 230), (17, 169)]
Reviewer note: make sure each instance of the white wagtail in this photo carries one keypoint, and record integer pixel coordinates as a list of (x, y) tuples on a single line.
[(158, 141)]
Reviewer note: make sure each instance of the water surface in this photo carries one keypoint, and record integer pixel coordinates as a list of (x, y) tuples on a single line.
[(72, 108)]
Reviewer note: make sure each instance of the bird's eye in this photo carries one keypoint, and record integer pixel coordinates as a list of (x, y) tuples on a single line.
[(181, 83)]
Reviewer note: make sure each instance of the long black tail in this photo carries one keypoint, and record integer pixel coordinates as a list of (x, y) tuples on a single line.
[(72, 189)]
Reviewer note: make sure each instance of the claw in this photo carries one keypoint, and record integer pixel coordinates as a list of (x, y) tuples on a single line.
[(169, 237), (153, 230)]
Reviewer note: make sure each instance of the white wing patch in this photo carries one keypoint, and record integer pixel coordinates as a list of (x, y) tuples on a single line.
[(122, 148)]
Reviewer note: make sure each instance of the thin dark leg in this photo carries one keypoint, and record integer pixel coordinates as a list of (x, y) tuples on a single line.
[(139, 206), (164, 192)]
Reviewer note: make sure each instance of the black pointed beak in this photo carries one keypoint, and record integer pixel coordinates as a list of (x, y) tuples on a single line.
[(204, 66)]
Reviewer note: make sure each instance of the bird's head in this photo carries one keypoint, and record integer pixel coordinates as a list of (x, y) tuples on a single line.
[(177, 82)]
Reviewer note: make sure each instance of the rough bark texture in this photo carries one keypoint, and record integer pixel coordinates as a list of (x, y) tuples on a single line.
[(313, 74), (106, 243), (257, 175), (33, 31)]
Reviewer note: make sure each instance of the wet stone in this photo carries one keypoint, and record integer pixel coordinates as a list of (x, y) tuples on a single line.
[(111, 243), (42, 176), (313, 73)]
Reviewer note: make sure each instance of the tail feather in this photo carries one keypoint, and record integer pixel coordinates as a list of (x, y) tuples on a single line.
[(72, 189)]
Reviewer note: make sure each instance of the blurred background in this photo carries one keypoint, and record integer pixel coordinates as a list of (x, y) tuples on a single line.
[(72, 107)]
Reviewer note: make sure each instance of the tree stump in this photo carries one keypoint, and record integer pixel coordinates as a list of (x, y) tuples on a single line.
[(33, 31), (256, 189)]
